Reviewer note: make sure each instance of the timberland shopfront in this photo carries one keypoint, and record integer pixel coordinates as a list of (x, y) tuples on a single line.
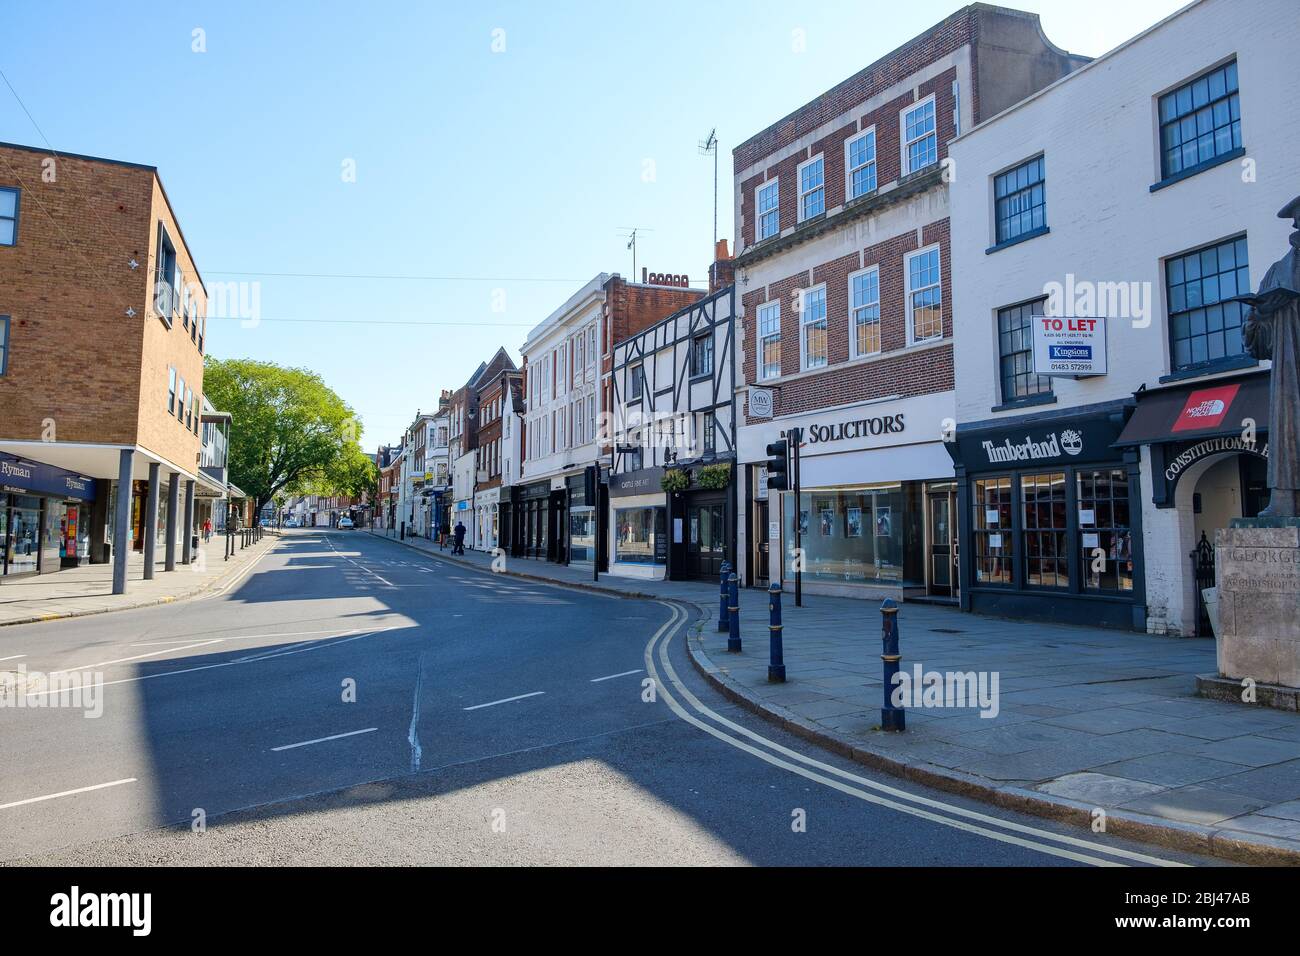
[(1050, 518)]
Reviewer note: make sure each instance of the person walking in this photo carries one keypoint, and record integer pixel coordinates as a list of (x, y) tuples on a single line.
[(460, 538), (207, 530)]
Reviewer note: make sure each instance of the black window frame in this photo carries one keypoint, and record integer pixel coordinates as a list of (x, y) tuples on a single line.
[(636, 388), (1179, 113), (5, 326), (709, 426), (1176, 293), (18, 202), (1006, 336), (1007, 190)]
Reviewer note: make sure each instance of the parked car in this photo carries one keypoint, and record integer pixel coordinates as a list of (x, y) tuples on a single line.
[(345, 523)]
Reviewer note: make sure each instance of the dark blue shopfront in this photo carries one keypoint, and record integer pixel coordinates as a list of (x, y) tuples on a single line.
[(45, 517)]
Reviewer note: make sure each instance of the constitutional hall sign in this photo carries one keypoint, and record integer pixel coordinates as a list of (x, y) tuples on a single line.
[(1069, 345)]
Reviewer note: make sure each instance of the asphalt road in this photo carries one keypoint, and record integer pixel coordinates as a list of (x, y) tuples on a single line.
[(353, 701)]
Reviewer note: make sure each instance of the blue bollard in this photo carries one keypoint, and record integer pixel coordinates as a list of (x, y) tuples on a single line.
[(891, 717), (722, 597), (733, 609), (776, 649)]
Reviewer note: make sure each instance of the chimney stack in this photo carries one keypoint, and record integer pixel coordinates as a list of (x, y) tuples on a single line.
[(723, 271)]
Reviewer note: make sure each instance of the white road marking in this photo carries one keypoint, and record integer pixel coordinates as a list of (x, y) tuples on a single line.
[(67, 793), (123, 660), (506, 700), (597, 680), (671, 626), (12, 657), (321, 740)]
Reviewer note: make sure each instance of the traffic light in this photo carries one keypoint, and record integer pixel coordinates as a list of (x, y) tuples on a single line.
[(778, 465)]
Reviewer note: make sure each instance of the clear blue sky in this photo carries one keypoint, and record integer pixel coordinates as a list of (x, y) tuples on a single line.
[(509, 169)]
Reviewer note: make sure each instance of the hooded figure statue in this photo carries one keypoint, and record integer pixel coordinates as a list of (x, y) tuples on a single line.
[(1272, 331)]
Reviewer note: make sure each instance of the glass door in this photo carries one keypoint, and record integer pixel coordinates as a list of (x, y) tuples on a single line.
[(942, 509)]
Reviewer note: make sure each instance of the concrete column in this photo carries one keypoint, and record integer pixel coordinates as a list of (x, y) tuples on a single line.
[(151, 522), (173, 506), (187, 551), (122, 520)]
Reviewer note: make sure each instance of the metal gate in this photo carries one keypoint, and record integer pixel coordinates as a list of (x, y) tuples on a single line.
[(1203, 575)]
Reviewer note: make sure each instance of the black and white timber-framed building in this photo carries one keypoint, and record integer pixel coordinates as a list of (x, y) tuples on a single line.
[(672, 412)]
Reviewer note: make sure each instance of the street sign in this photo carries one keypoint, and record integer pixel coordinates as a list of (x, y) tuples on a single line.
[(1069, 345)]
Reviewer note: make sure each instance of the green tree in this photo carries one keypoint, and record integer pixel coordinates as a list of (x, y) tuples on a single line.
[(290, 431)]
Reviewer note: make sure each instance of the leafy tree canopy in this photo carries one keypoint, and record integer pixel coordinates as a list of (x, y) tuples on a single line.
[(290, 432)]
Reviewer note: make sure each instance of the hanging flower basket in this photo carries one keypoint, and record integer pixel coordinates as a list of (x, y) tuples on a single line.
[(714, 477), (675, 480)]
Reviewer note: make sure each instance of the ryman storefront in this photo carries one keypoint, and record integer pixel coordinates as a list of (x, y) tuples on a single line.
[(45, 517)]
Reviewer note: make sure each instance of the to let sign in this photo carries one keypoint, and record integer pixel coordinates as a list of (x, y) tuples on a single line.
[(1069, 345)]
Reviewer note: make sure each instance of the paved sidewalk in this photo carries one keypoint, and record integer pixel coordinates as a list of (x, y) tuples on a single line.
[(75, 592), (1087, 719)]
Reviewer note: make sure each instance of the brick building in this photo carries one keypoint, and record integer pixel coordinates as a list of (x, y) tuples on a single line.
[(495, 429), (843, 276), (102, 336)]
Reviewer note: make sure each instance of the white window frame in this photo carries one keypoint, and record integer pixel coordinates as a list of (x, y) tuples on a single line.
[(849, 169), (759, 337), (775, 184), (902, 134), (908, 292), (798, 182), (853, 325), (804, 323)]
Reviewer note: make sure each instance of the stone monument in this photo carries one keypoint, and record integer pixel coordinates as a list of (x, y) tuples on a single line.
[(1257, 560)]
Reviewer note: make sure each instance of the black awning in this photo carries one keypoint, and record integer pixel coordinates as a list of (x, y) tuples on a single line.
[(1204, 410)]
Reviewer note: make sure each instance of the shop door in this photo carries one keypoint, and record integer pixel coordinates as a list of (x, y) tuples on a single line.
[(705, 537), (761, 544), (941, 580)]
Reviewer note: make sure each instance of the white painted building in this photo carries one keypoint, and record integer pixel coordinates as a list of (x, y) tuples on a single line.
[(562, 366), (1140, 190)]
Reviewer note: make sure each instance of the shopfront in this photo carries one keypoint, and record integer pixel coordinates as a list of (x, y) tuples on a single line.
[(875, 513), (1204, 450), (703, 523), (1050, 518), (532, 515), (638, 524), (582, 522), (45, 517)]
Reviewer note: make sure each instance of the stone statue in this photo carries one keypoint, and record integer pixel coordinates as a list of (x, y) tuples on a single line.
[(1272, 331)]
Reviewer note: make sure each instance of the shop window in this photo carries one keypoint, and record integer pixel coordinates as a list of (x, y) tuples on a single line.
[(1200, 121), (991, 524), (867, 535), (812, 322), (1047, 563), (1106, 543), (1204, 327), (639, 536), (1016, 352), (1020, 198), (8, 216)]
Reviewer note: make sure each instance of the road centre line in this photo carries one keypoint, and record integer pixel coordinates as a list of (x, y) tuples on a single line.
[(321, 740), (67, 793), (506, 700), (680, 616)]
